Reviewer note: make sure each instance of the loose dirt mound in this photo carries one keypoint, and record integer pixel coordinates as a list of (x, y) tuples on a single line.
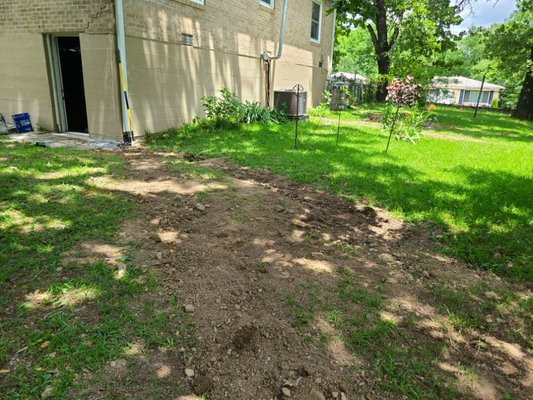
[(266, 263)]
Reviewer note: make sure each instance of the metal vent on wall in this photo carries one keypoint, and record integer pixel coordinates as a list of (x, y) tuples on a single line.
[(186, 39)]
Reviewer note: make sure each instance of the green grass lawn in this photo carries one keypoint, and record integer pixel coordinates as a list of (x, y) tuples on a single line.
[(85, 317), (479, 192)]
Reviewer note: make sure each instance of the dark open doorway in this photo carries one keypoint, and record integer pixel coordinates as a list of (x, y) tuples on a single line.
[(72, 83)]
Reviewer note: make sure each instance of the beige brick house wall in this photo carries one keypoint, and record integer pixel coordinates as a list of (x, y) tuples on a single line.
[(24, 58), (166, 78)]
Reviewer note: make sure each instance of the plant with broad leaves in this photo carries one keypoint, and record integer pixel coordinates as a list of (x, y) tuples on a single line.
[(409, 124), (404, 92)]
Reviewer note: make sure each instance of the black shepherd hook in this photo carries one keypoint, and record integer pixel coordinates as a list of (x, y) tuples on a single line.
[(297, 90)]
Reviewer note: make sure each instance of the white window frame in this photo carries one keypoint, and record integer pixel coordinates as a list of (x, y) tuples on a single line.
[(267, 3), (321, 5)]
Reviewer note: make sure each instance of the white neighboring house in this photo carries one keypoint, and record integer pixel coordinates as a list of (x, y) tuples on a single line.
[(348, 77), (459, 90)]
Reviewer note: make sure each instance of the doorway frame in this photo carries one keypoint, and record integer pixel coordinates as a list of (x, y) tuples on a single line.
[(56, 76)]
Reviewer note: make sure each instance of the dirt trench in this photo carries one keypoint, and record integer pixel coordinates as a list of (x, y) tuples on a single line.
[(242, 250)]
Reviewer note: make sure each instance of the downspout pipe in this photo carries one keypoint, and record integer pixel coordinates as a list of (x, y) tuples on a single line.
[(330, 66), (279, 53), (123, 71)]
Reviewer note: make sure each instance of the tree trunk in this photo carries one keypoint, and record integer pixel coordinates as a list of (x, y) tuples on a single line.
[(382, 46), (383, 70), (524, 107)]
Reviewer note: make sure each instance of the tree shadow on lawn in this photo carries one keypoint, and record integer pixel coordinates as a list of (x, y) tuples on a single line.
[(57, 318), (486, 125), (48, 205)]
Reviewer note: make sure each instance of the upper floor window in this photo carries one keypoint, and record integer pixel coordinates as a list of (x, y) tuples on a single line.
[(267, 3), (316, 21)]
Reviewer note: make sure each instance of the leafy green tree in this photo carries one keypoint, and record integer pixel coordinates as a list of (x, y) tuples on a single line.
[(423, 26), (510, 45), (355, 53)]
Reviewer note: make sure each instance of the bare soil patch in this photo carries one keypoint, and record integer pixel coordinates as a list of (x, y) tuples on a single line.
[(267, 264)]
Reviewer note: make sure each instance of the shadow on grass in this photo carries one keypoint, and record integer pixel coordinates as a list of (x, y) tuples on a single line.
[(58, 319), (487, 125)]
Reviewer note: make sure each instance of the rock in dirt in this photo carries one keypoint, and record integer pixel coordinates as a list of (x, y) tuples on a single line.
[(299, 223), (316, 395), (286, 392), (189, 308), (343, 396), (202, 384), (307, 370), (189, 372), (425, 274), (200, 207)]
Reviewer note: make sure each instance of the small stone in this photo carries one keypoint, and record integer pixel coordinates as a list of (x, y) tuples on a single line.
[(343, 396), (47, 393), (113, 364), (202, 384), (425, 274), (45, 345), (189, 308), (318, 381), (189, 372), (200, 207), (159, 255), (286, 392), (307, 370), (299, 223), (335, 395), (316, 395)]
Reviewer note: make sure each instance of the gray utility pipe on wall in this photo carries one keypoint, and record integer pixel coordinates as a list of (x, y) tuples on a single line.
[(265, 54)]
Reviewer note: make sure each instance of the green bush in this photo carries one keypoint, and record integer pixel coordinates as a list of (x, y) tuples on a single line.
[(495, 104), (225, 107), (226, 110), (409, 123)]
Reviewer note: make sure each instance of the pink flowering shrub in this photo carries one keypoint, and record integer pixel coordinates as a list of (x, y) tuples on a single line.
[(403, 92), (408, 124)]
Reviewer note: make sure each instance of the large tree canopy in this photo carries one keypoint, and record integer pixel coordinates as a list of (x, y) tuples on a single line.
[(426, 24), (510, 45)]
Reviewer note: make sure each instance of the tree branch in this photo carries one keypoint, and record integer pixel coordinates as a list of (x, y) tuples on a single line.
[(374, 37), (393, 38)]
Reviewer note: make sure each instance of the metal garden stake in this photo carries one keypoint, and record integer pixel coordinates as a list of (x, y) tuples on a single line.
[(392, 127), (297, 89)]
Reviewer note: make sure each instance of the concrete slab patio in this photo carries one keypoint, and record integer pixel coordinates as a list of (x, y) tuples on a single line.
[(66, 140)]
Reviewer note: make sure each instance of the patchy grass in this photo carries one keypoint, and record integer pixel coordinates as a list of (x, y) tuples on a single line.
[(395, 345), (59, 320), (403, 361), (478, 193)]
